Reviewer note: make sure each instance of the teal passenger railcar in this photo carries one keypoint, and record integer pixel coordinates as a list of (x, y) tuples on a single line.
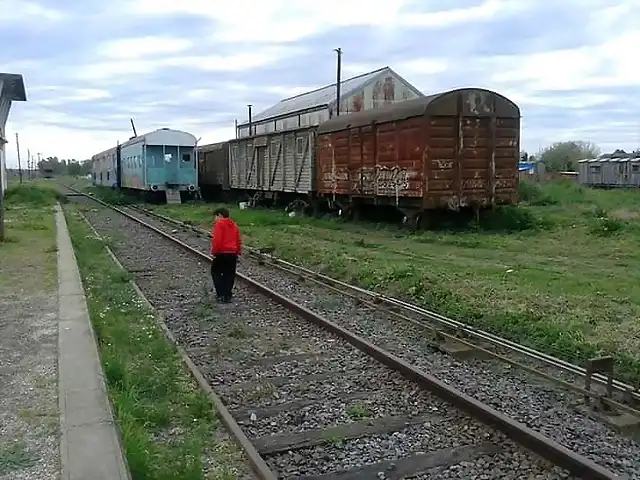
[(162, 162)]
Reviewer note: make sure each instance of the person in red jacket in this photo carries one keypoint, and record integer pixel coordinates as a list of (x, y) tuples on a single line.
[(226, 246)]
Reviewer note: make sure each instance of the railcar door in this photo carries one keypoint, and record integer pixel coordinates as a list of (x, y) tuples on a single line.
[(171, 165)]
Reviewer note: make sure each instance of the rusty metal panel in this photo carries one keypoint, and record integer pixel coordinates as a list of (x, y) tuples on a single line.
[(450, 150), (213, 164), (377, 161), (277, 162)]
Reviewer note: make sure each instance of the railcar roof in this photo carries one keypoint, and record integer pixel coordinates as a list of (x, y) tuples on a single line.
[(403, 110)]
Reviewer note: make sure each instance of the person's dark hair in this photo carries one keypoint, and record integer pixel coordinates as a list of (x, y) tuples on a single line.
[(221, 211)]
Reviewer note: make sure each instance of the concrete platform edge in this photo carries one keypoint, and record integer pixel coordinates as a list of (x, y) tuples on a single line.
[(90, 443)]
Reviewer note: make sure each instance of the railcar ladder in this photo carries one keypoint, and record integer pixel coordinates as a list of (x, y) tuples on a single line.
[(173, 196)]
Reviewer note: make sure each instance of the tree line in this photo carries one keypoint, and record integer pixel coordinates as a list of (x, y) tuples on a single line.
[(564, 156), (56, 166)]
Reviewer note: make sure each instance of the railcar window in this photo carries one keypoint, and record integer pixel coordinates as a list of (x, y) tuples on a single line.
[(635, 168), (274, 148), (186, 157), (300, 146), (594, 169)]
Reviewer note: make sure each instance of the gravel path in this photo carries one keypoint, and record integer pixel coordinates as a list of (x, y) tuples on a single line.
[(28, 386), (246, 348), (541, 406)]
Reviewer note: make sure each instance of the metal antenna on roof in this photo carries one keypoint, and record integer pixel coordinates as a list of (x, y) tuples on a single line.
[(338, 78), (135, 134)]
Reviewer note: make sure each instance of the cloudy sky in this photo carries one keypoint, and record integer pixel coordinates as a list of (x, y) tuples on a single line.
[(194, 64)]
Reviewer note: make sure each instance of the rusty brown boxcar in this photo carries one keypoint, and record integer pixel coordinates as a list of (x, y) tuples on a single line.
[(449, 150)]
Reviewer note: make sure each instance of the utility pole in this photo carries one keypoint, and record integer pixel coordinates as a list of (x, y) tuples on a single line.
[(28, 164), (19, 164), (2, 142), (338, 78), (35, 170)]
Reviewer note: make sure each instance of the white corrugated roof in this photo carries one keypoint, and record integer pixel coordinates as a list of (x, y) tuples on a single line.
[(316, 98)]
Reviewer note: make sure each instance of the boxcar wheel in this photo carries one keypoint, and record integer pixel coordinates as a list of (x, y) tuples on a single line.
[(416, 221), (297, 206)]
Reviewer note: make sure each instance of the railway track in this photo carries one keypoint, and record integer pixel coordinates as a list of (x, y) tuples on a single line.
[(310, 399), (602, 388)]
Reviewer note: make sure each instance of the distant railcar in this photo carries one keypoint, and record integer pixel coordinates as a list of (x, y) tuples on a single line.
[(159, 162), (610, 172), (213, 169), (277, 166), (449, 150)]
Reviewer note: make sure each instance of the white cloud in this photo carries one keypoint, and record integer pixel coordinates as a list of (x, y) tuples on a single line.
[(611, 63), (285, 21), (25, 11), (423, 66), (63, 95), (130, 67), (137, 48), (49, 140)]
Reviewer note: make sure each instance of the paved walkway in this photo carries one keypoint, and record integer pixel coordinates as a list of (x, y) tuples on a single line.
[(89, 445)]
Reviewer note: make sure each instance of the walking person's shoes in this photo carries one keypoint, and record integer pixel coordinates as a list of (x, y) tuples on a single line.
[(226, 299)]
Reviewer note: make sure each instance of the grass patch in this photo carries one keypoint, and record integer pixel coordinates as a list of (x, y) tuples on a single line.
[(32, 194), (28, 251), (15, 456), (109, 195), (560, 272), (169, 427)]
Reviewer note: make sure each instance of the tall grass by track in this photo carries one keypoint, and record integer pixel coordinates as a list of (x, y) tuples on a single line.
[(170, 431)]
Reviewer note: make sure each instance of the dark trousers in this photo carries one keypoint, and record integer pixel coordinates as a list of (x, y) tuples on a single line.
[(223, 273)]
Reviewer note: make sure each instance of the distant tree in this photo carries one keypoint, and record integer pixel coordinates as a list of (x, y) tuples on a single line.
[(564, 156), (74, 168)]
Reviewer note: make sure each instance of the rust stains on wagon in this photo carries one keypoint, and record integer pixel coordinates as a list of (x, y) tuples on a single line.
[(449, 150)]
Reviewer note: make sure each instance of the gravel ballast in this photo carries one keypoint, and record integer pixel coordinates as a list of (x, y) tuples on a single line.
[(245, 333), (524, 397), (29, 445)]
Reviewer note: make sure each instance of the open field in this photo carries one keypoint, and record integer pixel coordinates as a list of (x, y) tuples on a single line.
[(565, 280), (169, 428)]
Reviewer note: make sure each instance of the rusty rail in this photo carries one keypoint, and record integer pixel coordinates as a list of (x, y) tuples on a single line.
[(629, 392), (545, 447)]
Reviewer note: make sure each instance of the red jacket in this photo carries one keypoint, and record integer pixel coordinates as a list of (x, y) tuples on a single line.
[(225, 237)]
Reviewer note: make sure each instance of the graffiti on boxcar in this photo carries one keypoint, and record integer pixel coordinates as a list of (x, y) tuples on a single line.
[(478, 103), (380, 180)]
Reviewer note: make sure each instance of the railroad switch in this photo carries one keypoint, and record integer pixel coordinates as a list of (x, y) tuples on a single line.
[(262, 252), (621, 421), (456, 349)]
